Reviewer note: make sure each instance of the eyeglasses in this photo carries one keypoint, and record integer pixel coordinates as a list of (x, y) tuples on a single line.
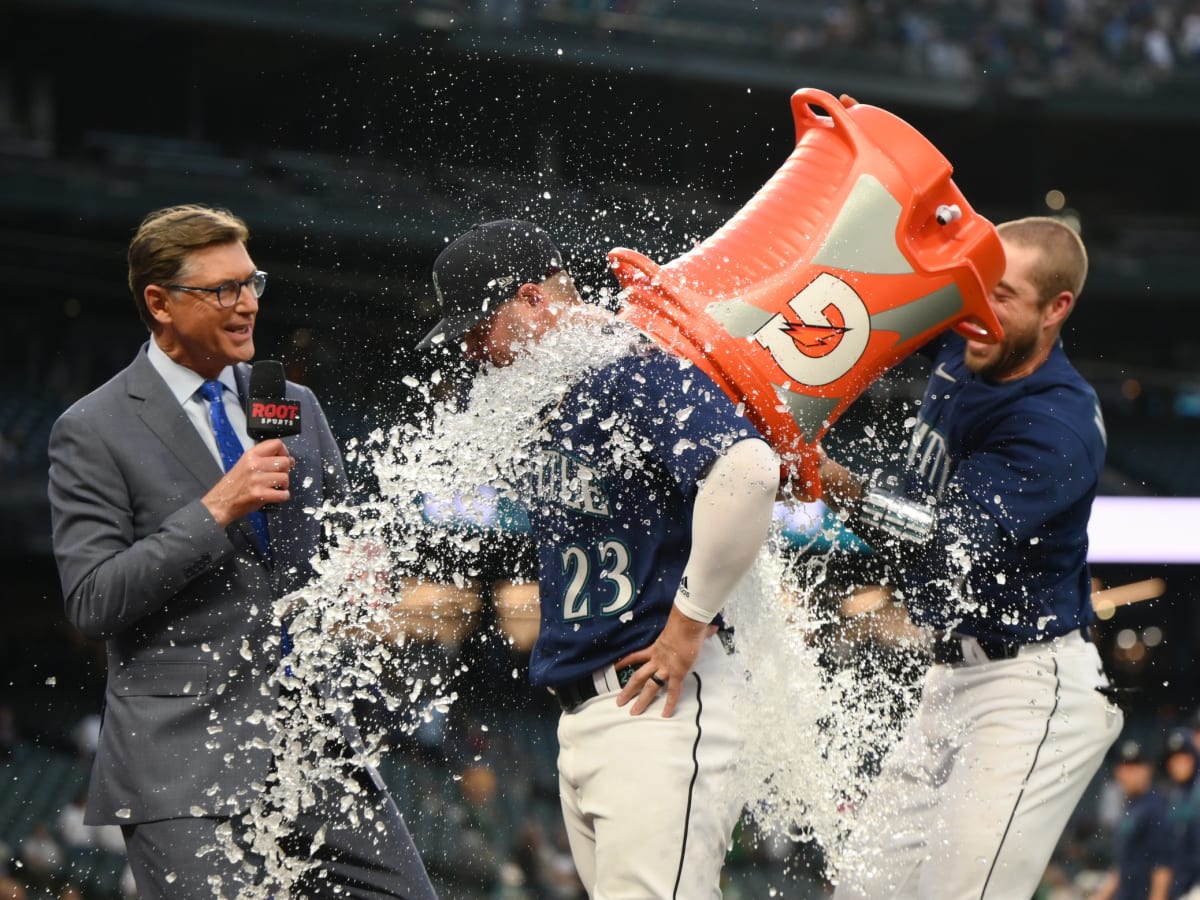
[(229, 292)]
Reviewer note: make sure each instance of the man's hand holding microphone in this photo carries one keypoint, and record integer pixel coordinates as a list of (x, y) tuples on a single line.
[(261, 476)]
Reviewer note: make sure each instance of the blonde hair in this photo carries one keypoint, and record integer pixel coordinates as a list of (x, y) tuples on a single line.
[(1062, 261), (160, 248)]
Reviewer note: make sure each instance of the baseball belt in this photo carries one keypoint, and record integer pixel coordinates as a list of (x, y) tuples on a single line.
[(959, 649), (572, 694)]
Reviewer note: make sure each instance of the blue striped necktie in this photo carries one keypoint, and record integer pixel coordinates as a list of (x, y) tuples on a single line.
[(230, 447), (231, 451)]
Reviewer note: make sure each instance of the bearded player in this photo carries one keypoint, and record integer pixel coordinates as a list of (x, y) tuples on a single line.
[(989, 551)]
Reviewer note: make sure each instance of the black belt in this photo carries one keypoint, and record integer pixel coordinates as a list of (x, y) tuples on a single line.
[(575, 693), (949, 650)]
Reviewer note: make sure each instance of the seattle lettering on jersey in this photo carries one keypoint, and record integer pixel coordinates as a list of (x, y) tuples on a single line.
[(560, 479), (927, 457)]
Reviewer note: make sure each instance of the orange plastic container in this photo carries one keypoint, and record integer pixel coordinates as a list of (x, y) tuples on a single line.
[(857, 251)]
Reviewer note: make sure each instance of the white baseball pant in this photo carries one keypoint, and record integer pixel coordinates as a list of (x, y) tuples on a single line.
[(648, 802), (970, 804)]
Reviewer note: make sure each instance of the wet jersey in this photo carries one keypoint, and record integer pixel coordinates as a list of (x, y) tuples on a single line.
[(1012, 469), (610, 502)]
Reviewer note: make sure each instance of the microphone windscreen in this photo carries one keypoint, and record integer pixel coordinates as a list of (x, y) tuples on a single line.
[(267, 381)]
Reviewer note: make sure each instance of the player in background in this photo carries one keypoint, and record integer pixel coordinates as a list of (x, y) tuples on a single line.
[(1142, 844), (988, 544), (1180, 765), (651, 499)]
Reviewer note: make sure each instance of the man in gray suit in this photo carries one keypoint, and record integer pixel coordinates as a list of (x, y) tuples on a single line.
[(165, 552)]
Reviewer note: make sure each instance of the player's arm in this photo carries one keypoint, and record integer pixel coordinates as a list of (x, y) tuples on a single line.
[(1108, 887), (934, 541), (884, 518), (872, 613), (730, 518), (1029, 469), (1161, 878)]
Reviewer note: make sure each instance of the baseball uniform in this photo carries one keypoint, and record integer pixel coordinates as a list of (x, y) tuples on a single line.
[(646, 799), (1013, 722)]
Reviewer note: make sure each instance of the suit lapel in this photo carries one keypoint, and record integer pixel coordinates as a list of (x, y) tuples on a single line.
[(163, 415)]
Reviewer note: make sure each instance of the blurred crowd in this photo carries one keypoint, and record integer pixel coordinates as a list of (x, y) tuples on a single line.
[(1028, 44), (1141, 823)]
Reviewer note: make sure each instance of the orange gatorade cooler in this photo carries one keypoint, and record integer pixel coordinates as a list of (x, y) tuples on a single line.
[(857, 251)]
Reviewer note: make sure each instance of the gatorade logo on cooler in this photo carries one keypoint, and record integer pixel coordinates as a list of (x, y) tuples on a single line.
[(827, 335)]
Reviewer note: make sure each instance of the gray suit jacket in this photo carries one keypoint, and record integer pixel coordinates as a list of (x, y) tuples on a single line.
[(184, 605)]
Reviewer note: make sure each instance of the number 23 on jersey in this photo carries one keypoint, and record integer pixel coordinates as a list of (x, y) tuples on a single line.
[(598, 580)]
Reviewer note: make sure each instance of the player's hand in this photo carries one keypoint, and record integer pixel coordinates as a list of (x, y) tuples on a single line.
[(664, 665), (840, 488), (258, 478)]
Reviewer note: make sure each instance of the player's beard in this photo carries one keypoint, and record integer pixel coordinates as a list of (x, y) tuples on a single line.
[(994, 362)]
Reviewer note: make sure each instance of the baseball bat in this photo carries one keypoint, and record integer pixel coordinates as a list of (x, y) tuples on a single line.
[(1104, 600)]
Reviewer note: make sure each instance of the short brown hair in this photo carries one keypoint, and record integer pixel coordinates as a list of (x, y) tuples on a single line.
[(160, 247), (1063, 262)]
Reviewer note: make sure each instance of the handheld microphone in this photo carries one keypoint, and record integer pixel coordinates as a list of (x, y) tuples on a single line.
[(268, 412)]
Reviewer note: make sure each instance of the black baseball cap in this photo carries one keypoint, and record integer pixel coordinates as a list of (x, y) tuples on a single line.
[(1179, 741), (483, 268), (1132, 753)]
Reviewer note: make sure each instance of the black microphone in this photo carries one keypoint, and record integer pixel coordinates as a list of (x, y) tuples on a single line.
[(269, 413)]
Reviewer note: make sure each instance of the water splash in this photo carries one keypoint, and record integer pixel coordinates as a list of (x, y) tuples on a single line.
[(813, 725), (817, 710)]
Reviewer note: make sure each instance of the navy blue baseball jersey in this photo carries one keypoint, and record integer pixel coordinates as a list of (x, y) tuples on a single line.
[(1184, 819), (610, 502), (1012, 469), (1142, 845)]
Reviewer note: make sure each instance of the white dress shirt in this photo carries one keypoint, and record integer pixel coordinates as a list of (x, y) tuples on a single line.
[(184, 383)]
